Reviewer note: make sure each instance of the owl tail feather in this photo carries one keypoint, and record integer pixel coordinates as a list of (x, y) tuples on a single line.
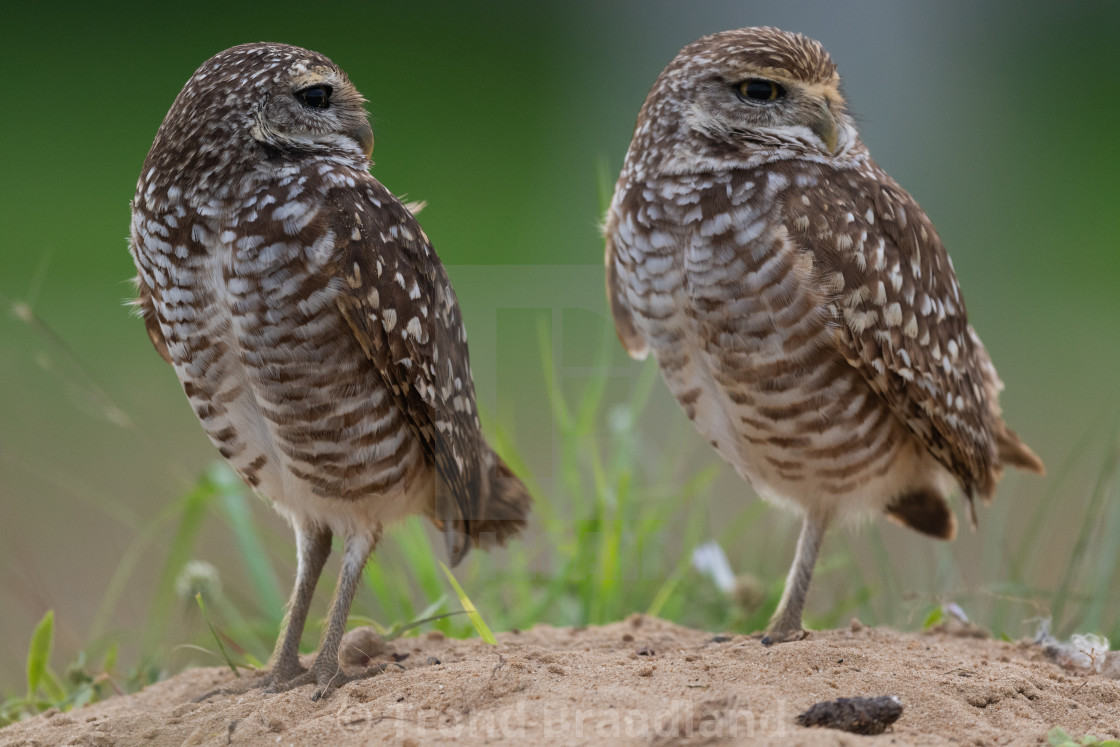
[(1010, 451), (1016, 453), (505, 510), (502, 514)]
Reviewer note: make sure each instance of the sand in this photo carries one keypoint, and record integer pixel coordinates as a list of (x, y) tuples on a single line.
[(639, 681)]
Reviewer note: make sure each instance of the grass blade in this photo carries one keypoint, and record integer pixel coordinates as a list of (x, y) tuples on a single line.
[(214, 632), (1098, 498), (39, 653), (397, 631), (420, 557), (192, 509), (232, 494), (468, 606)]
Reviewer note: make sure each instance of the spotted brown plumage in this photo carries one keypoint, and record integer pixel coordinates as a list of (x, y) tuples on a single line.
[(800, 304), (311, 324)]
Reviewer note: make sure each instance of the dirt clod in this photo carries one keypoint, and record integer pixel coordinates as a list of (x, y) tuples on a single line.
[(857, 715), (359, 648)]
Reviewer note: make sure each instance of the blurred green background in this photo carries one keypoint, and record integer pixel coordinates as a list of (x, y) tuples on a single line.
[(1000, 117)]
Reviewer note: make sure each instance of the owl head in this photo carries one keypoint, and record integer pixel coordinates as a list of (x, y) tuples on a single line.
[(749, 94), (256, 103)]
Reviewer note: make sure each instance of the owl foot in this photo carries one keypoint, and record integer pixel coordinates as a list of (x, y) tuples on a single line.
[(279, 677), (326, 679), (784, 636)]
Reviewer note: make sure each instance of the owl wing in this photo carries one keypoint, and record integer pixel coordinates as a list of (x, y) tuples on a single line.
[(624, 325), (147, 310), (900, 318), (399, 303)]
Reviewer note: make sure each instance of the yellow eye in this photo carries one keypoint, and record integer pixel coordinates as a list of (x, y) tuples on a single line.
[(757, 89)]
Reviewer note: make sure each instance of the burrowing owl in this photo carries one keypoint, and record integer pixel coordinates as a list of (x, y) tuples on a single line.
[(800, 304), (311, 324)]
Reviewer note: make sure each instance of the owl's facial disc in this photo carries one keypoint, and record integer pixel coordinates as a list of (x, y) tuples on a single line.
[(752, 105), (319, 95), (315, 110)]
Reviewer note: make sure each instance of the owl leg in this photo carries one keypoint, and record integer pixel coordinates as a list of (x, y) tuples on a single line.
[(325, 670), (313, 547), (785, 625), (326, 673)]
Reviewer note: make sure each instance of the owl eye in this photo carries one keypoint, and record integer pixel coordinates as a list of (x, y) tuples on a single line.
[(760, 90), (316, 97)]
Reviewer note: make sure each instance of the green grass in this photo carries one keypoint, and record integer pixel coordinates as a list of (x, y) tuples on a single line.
[(1058, 737), (610, 535), (80, 684)]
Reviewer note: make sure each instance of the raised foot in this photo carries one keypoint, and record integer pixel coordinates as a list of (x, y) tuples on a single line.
[(784, 636)]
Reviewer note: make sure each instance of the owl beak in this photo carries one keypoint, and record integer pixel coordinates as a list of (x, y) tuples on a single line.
[(363, 136), (824, 124)]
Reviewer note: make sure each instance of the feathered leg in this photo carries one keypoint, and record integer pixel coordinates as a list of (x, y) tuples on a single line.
[(313, 547), (325, 670), (785, 625)]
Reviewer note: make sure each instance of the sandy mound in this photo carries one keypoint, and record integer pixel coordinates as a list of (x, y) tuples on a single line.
[(638, 681)]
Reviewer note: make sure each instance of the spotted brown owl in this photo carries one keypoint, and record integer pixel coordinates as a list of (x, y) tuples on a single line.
[(311, 324), (800, 304)]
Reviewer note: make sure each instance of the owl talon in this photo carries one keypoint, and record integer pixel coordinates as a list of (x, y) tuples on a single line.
[(788, 636)]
